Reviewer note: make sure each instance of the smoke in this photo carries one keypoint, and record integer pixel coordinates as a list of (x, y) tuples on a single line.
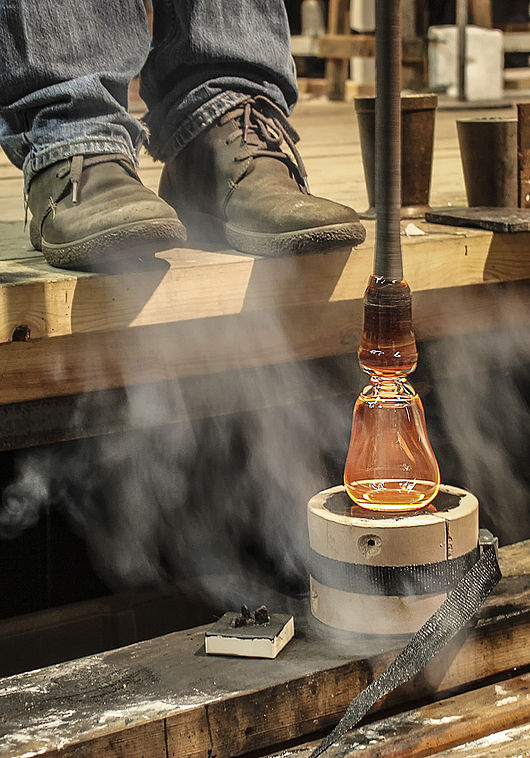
[(482, 416), (218, 493), (22, 501), (224, 493)]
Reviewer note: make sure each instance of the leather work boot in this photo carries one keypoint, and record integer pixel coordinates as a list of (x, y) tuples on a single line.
[(91, 211), (235, 184)]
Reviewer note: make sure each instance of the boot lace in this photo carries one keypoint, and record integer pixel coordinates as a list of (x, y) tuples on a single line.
[(263, 128), (79, 162)]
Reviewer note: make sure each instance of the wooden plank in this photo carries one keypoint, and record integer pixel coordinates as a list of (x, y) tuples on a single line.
[(523, 155), (363, 46), (438, 727), (346, 45), (311, 85), (303, 45), (510, 743), (99, 360), (516, 42), (354, 89), (187, 284), (216, 705), (93, 361), (498, 219), (337, 68), (516, 78), (67, 417), (481, 13), (108, 411)]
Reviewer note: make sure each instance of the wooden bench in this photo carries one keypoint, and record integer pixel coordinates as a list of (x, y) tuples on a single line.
[(488, 721), (166, 698), (199, 321)]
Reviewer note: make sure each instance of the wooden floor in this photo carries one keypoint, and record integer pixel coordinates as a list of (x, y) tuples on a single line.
[(197, 313)]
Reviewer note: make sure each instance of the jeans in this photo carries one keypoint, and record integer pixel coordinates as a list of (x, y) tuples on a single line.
[(65, 67)]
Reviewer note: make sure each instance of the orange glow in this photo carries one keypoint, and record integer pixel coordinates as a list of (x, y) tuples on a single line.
[(390, 464)]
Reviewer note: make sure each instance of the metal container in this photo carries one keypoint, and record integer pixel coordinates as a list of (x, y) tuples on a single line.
[(417, 135), (488, 150)]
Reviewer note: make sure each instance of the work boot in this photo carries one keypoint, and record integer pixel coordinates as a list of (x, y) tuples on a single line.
[(93, 211), (235, 183)]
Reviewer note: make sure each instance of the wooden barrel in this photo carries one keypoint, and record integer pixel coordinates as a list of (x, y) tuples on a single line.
[(386, 573)]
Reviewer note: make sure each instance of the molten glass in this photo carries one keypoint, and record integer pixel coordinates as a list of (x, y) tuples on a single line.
[(390, 465)]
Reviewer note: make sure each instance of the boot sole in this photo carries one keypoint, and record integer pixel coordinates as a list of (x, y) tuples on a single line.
[(304, 241), (138, 240), (315, 240)]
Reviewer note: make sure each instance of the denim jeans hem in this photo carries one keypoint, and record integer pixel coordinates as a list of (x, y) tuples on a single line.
[(43, 156), (195, 123)]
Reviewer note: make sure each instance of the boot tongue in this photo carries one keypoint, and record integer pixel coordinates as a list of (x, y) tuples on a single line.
[(260, 131)]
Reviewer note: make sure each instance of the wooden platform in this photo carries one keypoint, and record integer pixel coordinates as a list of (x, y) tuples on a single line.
[(166, 698), (488, 721), (198, 313)]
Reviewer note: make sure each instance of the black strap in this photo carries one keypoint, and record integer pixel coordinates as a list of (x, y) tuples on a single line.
[(421, 579), (454, 613)]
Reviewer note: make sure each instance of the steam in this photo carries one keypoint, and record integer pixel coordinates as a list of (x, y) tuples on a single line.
[(224, 493), (481, 387), (212, 495), (22, 502)]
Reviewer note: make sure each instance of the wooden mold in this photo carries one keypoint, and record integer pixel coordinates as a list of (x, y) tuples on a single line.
[(356, 551)]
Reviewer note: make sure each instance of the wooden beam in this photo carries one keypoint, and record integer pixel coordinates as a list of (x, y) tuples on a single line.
[(462, 310), (516, 78), (440, 726), (363, 45), (510, 743), (481, 13), (516, 42), (523, 155), (100, 360), (336, 67), (304, 45), (68, 417), (311, 85), (346, 45), (165, 697), (187, 284)]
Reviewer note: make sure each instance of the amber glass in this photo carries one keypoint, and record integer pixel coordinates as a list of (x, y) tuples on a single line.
[(388, 345), (390, 465)]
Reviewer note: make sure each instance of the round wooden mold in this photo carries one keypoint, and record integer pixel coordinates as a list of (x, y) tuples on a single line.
[(382, 573)]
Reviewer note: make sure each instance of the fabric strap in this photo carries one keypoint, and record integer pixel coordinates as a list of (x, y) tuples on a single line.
[(363, 579), (454, 613)]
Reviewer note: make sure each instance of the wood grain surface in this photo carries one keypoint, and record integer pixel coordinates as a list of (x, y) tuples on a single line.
[(468, 719), (165, 697)]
